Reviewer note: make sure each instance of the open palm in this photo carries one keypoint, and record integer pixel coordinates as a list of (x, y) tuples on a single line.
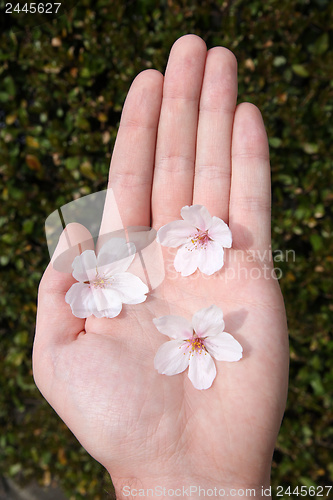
[(181, 141)]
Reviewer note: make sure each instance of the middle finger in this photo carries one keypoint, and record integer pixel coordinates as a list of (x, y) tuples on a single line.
[(177, 130), (217, 108)]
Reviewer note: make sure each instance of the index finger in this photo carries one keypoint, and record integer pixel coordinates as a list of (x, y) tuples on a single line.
[(132, 164)]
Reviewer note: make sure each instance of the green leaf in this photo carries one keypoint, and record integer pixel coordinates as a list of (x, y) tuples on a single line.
[(82, 123), (9, 85), (317, 385), (15, 469), (15, 357), (72, 163), (310, 148), (86, 169), (321, 44), (275, 142), (316, 242), (300, 70), (306, 481), (28, 226), (4, 259), (85, 72), (279, 61)]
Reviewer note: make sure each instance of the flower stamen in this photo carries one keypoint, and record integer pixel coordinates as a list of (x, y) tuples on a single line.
[(196, 344), (199, 240), (100, 281)]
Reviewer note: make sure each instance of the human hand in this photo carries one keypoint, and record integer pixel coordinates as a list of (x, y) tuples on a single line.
[(181, 141)]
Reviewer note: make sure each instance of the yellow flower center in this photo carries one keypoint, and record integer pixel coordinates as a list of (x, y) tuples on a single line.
[(199, 240), (196, 344), (101, 281)]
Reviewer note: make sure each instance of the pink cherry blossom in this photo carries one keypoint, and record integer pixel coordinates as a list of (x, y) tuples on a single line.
[(195, 345), (201, 239), (103, 283)]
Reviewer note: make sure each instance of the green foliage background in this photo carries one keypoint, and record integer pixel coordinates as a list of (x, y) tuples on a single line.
[(62, 87)]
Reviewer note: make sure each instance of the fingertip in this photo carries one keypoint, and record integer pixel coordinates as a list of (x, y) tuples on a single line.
[(146, 85), (190, 41), (225, 54), (249, 133), (185, 68), (149, 77), (219, 88), (143, 102)]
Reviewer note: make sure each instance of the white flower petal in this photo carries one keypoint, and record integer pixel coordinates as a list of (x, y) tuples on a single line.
[(224, 347), (105, 299), (175, 233), (198, 216), (175, 327), (208, 321), (202, 370), (106, 303), (172, 358), (187, 260), (138, 300), (211, 258), (111, 312), (81, 300), (220, 232), (115, 256), (84, 265), (130, 288)]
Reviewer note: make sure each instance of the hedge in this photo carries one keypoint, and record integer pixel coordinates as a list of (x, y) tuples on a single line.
[(63, 84)]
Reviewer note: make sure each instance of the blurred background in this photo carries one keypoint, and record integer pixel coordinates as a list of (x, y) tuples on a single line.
[(62, 87)]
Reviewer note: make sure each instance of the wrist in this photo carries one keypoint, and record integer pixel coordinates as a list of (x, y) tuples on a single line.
[(195, 481), (163, 489)]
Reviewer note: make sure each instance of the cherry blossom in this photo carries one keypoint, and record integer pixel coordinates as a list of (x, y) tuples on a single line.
[(194, 345), (201, 239), (103, 283)]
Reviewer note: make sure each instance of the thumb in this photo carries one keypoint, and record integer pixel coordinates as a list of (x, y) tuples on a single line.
[(55, 321)]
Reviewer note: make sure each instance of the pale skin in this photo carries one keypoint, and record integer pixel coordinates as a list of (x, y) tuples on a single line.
[(182, 141)]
